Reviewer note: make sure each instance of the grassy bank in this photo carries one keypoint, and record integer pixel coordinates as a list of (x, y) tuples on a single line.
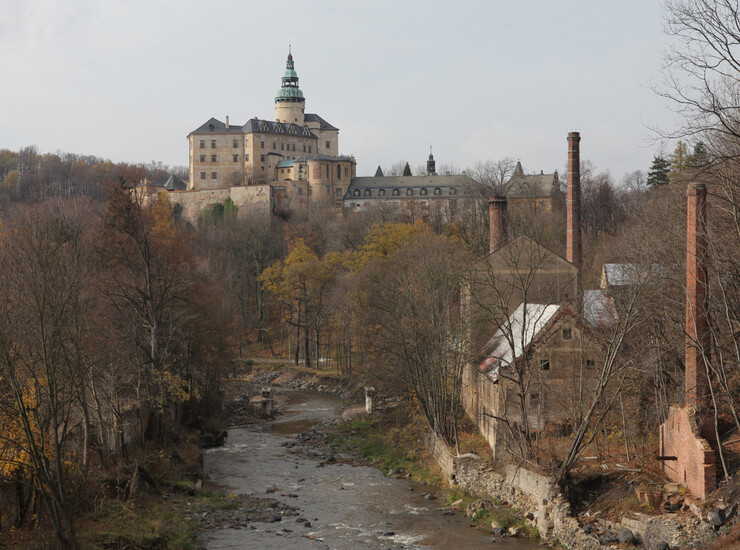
[(151, 501)]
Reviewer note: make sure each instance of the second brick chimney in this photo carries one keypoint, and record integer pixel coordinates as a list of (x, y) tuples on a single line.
[(497, 222), (697, 325), (573, 244)]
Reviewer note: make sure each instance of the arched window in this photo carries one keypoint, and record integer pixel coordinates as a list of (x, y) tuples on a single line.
[(409, 192), (437, 191), (339, 171), (395, 192), (357, 193), (423, 191), (367, 192)]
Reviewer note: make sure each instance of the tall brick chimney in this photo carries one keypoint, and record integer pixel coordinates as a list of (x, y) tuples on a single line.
[(573, 245), (697, 326), (497, 221)]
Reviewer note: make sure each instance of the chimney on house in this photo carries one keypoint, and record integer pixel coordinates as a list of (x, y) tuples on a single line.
[(697, 326), (497, 221), (227, 122)]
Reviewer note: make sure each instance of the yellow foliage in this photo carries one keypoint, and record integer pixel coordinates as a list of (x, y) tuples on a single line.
[(163, 214), (380, 243)]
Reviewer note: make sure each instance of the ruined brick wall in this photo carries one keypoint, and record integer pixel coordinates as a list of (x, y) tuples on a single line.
[(695, 465)]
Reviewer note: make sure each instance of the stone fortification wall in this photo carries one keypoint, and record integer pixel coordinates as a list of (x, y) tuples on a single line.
[(245, 197)]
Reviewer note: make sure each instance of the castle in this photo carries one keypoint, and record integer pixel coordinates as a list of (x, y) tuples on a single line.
[(298, 152)]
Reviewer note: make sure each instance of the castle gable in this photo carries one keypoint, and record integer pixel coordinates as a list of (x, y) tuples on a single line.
[(214, 125)]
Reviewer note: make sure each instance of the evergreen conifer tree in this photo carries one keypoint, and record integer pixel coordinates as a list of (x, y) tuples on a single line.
[(658, 173), (407, 170)]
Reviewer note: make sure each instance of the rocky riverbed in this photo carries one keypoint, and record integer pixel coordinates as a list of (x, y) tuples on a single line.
[(323, 499)]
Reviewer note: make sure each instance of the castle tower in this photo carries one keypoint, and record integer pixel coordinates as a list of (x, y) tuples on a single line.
[(290, 104)]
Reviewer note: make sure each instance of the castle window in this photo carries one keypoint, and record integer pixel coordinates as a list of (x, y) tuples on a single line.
[(213, 144), (274, 146), (202, 175), (339, 191), (356, 193), (263, 168), (235, 144), (300, 190), (202, 144), (567, 334), (544, 364), (282, 147), (534, 399), (213, 158), (282, 170), (294, 147), (304, 148), (367, 192), (423, 191), (346, 171), (453, 191), (339, 171), (214, 175), (437, 191), (395, 192), (236, 158), (409, 192), (262, 158), (262, 144), (381, 193), (202, 158), (246, 158), (328, 144)]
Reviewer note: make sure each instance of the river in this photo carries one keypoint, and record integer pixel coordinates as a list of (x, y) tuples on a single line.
[(347, 507)]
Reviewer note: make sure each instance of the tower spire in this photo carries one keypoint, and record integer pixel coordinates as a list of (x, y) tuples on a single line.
[(431, 165), (289, 102)]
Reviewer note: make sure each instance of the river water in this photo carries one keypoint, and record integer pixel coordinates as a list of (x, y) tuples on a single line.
[(348, 507)]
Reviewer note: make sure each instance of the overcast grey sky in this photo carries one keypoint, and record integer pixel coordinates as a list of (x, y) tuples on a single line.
[(128, 80)]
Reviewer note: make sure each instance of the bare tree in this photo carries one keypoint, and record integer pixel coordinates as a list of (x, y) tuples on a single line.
[(412, 314), (493, 174)]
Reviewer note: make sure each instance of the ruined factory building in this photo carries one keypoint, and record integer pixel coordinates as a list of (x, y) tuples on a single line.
[(546, 342)]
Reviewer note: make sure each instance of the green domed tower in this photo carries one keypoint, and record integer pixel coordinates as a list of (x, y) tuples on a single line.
[(290, 104)]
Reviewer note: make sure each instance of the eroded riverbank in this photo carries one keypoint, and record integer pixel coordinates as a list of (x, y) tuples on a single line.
[(338, 506)]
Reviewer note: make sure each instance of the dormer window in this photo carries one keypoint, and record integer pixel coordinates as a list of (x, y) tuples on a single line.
[(263, 126), (423, 191), (437, 191), (409, 192), (357, 193), (452, 191), (367, 192), (395, 192), (381, 193), (211, 127)]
